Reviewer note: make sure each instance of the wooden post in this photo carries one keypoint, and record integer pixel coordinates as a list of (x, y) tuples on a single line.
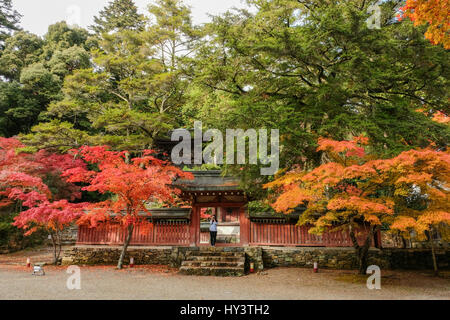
[(245, 227), (195, 226)]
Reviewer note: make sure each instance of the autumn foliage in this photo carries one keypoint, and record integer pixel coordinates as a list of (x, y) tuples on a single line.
[(34, 180), (436, 116), (440, 117), (435, 13), (408, 193), (46, 185), (134, 183)]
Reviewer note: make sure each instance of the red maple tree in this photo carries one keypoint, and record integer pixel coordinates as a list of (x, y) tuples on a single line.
[(34, 181), (134, 183)]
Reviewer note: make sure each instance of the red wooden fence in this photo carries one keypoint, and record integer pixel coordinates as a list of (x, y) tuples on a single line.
[(179, 234), (292, 235), (169, 233)]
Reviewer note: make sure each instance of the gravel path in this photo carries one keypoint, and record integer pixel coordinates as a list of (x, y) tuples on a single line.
[(161, 283)]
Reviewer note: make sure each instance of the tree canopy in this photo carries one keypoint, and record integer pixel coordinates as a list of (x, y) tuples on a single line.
[(314, 68), (134, 182), (118, 15), (34, 181), (34, 69), (134, 90), (9, 20)]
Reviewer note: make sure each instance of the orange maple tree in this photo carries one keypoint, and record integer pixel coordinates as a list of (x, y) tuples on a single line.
[(441, 117), (134, 183), (435, 13), (408, 192), (436, 115)]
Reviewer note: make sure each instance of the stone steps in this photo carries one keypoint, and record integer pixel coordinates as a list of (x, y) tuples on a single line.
[(213, 254), (214, 262), (217, 249), (216, 258), (213, 271)]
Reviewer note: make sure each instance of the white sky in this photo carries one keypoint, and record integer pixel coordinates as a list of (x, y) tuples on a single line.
[(39, 14)]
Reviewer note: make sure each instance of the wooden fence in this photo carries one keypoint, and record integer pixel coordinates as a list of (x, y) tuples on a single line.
[(179, 234), (292, 235), (165, 233)]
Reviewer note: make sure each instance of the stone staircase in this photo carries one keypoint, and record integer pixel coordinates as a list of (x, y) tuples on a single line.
[(214, 262)]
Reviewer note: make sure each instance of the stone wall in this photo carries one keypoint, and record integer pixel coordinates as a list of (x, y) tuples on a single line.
[(333, 258), (255, 255), (415, 259), (171, 256), (345, 258), (390, 240), (263, 257), (103, 255)]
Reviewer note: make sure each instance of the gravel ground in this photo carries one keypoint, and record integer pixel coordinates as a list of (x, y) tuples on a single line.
[(162, 283)]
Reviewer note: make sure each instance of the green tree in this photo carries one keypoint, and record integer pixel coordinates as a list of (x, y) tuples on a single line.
[(17, 108), (9, 20), (21, 50), (119, 15), (315, 68), (135, 90), (175, 39), (65, 61), (22, 102), (40, 81), (34, 69), (111, 102), (60, 37)]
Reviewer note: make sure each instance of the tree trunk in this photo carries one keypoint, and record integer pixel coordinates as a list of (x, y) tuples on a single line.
[(59, 246), (55, 251), (433, 253), (403, 242), (363, 256), (362, 252), (125, 246)]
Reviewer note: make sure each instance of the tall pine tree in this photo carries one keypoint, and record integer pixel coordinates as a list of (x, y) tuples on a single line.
[(119, 15)]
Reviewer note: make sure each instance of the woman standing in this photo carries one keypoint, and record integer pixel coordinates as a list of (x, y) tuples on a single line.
[(213, 230)]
